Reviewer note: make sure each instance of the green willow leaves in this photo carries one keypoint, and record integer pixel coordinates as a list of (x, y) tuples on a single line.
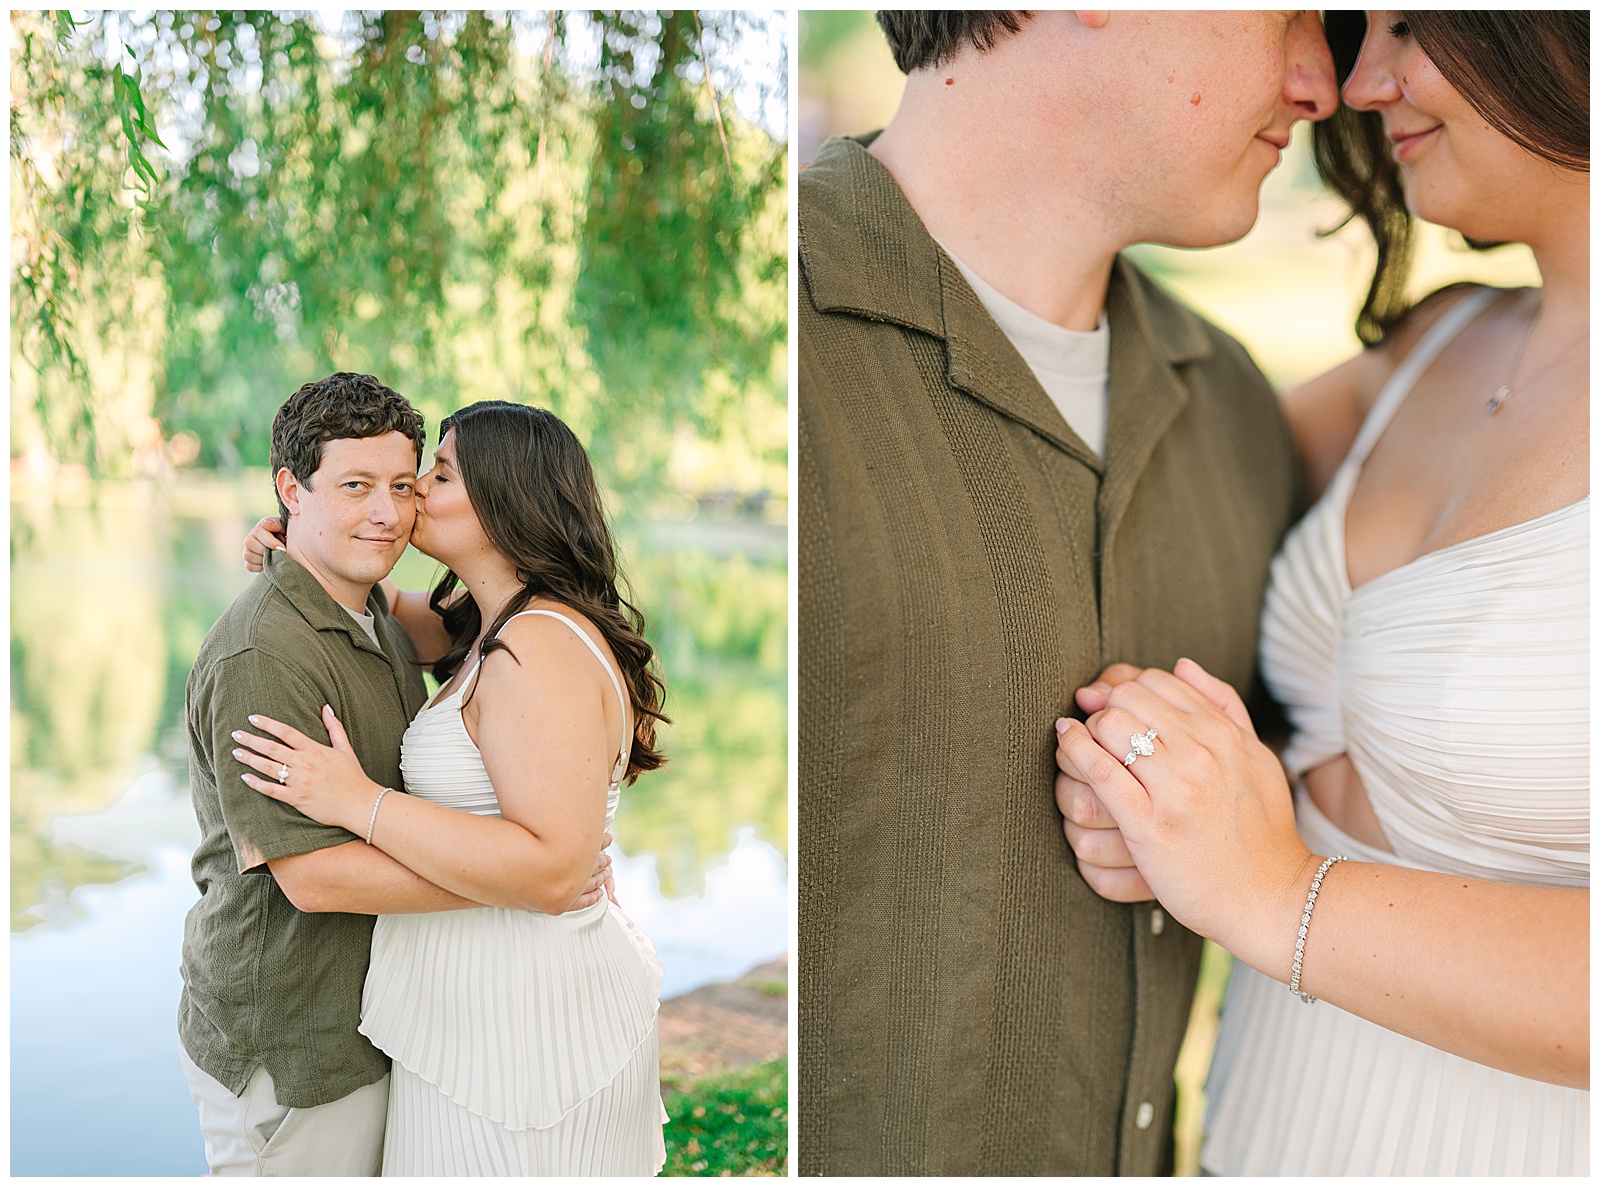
[(569, 209)]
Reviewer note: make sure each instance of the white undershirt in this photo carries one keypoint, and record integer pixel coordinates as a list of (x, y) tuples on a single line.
[(1072, 366), (368, 624)]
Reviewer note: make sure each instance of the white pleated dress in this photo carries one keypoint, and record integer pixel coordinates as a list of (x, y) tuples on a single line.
[(1458, 685), (523, 1044)]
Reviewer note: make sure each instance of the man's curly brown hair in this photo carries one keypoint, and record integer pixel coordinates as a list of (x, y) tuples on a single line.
[(343, 405)]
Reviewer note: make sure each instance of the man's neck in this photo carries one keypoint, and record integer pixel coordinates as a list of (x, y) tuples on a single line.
[(1038, 242), (349, 595)]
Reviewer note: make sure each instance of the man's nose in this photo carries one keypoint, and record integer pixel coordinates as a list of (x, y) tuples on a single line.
[(384, 507), (1310, 84)]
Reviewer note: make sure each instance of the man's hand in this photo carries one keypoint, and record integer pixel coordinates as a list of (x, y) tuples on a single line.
[(1092, 698), (1103, 857), (599, 881)]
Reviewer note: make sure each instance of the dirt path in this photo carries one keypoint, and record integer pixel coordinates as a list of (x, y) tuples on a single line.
[(729, 1025)]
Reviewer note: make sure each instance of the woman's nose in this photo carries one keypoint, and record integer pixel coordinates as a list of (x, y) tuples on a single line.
[(1372, 83)]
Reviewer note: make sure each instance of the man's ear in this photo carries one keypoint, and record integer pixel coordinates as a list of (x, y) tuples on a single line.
[(1095, 19), (288, 489)]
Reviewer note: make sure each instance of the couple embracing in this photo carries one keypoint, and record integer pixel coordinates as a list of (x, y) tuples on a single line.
[(405, 955), (1035, 489)]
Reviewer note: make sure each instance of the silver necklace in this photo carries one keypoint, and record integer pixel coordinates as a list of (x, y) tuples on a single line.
[(1510, 387)]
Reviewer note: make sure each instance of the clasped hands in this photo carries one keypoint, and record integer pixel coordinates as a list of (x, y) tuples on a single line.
[(1205, 823)]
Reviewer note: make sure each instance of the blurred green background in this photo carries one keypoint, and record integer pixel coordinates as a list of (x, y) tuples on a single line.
[(1289, 291), (584, 211)]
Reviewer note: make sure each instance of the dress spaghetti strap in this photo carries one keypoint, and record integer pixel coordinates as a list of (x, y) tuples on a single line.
[(627, 735), (1405, 376)]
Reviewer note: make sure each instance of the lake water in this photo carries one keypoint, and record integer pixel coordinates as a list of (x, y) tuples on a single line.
[(111, 597)]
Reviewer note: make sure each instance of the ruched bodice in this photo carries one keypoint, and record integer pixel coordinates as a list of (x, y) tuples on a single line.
[(524, 1043), (1458, 686)]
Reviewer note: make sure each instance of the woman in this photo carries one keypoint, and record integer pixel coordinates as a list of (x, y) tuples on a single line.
[(1426, 627), (523, 1040)]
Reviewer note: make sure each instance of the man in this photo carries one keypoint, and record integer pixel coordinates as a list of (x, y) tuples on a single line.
[(1020, 461), (276, 950)]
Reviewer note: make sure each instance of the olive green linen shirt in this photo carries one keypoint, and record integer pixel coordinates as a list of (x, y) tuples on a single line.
[(264, 984), (967, 1005)]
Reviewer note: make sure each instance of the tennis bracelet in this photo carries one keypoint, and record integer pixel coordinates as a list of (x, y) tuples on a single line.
[(1305, 924), (372, 823)]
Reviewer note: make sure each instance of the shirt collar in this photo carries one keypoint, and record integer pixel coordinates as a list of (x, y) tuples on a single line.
[(313, 603), (856, 211), (865, 252)]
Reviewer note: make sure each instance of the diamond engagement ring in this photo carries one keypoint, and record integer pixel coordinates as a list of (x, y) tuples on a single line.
[(1143, 744), (283, 772)]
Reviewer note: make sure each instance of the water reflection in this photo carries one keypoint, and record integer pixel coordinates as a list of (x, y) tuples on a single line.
[(110, 601)]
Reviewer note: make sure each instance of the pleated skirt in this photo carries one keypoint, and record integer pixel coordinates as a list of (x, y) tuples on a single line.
[(1300, 1089), (617, 1131), (523, 1044)]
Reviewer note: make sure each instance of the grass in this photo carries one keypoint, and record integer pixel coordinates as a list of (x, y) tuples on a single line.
[(730, 1123)]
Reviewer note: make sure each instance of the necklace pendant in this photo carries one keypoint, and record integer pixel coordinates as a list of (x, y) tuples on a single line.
[(1499, 398)]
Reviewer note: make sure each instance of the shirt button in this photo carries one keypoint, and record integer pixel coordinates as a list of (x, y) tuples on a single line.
[(1145, 1115), (1158, 922)]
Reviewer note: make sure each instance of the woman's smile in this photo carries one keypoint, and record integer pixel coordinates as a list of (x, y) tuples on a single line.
[(1406, 144)]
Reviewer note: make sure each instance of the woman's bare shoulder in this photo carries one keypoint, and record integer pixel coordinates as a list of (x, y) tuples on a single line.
[(1326, 412), (549, 643), (1421, 318)]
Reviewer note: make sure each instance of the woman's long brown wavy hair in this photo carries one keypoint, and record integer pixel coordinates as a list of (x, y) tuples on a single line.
[(533, 490), (1525, 72)]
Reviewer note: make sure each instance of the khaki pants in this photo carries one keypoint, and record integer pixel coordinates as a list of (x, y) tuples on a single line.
[(253, 1134)]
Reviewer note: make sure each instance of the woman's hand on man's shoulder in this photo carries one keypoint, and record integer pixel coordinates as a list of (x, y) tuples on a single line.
[(266, 536)]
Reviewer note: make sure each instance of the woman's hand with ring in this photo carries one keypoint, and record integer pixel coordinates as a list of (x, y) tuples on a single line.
[(325, 783), (1207, 818)]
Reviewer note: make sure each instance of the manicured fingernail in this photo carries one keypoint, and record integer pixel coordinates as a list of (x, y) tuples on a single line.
[(1101, 687), (238, 754), (244, 778), (238, 736), (1061, 725), (254, 720)]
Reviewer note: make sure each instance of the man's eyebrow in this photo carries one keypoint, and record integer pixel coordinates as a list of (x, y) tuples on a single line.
[(371, 476)]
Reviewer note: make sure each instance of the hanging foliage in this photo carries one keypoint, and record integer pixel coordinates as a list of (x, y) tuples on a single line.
[(561, 208), (668, 228)]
